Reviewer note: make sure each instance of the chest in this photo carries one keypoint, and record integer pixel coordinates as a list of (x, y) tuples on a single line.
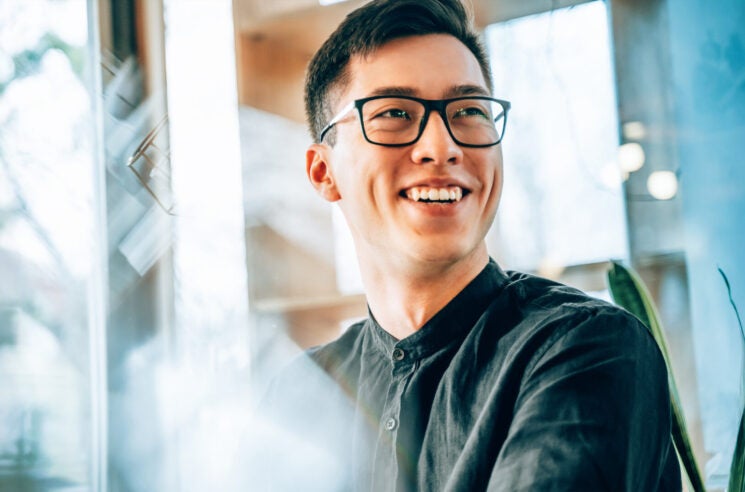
[(437, 420)]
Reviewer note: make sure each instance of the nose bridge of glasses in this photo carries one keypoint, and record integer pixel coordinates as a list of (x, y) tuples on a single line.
[(438, 108)]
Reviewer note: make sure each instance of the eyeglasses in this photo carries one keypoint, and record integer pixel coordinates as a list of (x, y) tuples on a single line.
[(396, 121)]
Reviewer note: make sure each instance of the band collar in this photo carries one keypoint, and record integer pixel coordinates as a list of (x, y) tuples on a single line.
[(451, 324)]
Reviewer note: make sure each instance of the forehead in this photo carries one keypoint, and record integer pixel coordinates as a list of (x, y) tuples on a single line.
[(429, 66)]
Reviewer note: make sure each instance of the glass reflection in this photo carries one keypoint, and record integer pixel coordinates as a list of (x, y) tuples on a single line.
[(46, 207)]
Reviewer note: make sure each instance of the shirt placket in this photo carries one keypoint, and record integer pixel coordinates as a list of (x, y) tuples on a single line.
[(386, 466)]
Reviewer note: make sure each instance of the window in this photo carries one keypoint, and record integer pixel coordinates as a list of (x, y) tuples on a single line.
[(49, 277), (562, 203)]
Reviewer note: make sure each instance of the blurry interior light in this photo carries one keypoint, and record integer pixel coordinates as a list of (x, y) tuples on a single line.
[(663, 185), (634, 130), (330, 2), (631, 157)]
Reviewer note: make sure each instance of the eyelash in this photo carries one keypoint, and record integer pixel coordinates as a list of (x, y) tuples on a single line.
[(388, 114)]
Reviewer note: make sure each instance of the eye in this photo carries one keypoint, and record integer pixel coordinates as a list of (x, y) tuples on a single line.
[(394, 113), (470, 111)]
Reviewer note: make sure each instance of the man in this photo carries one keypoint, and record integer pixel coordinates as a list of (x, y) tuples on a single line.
[(463, 377)]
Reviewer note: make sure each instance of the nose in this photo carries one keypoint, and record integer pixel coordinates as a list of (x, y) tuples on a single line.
[(435, 145)]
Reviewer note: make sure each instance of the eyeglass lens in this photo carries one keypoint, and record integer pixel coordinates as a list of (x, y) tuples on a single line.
[(392, 121)]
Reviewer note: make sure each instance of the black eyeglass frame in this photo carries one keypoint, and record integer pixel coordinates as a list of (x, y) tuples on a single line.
[(429, 105)]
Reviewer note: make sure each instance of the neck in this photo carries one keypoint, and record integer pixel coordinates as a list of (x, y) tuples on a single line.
[(404, 297)]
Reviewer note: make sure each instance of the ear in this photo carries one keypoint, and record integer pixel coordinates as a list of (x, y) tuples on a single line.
[(319, 172)]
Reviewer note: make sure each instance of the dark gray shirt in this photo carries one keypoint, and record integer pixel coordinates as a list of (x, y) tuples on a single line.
[(517, 384)]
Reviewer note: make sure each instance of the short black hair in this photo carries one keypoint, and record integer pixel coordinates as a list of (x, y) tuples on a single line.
[(368, 28)]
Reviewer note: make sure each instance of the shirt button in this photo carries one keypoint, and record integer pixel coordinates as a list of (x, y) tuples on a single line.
[(390, 424), (398, 354)]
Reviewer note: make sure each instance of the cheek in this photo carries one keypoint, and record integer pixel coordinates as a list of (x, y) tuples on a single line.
[(357, 190), (493, 178), (498, 180), (367, 174), (487, 168), (497, 170)]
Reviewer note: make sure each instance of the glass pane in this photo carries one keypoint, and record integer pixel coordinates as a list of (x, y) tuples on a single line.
[(708, 70), (47, 254), (562, 180)]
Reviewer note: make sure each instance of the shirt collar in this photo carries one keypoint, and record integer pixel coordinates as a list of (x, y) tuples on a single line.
[(451, 324)]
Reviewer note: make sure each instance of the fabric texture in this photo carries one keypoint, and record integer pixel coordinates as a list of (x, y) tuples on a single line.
[(518, 384)]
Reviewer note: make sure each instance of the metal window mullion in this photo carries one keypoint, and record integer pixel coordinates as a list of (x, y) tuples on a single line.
[(98, 278)]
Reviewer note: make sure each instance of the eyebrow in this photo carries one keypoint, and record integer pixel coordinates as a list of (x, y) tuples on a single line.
[(394, 91), (453, 91), (467, 90)]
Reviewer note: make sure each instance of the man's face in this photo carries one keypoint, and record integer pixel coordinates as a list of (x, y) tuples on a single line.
[(375, 185)]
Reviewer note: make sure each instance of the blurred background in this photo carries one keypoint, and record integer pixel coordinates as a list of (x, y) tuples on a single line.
[(162, 254)]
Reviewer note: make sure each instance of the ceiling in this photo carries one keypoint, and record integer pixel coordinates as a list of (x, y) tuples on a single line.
[(305, 24)]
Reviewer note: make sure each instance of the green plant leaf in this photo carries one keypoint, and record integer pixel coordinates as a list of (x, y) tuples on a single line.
[(629, 292), (737, 471)]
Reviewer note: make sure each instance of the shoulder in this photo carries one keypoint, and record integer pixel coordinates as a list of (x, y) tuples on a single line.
[(565, 343), (537, 292), (546, 300), (316, 367), (552, 317), (590, 393), (335, 353)]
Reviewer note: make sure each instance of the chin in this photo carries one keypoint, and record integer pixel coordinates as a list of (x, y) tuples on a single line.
[(444, 253)]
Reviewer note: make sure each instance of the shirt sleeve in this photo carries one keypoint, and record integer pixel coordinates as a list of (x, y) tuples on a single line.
[(593, 413)]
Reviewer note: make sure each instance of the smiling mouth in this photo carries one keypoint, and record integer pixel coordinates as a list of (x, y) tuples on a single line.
[(426, 194)]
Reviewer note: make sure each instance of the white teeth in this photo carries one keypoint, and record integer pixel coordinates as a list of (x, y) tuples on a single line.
[(451, 193)]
